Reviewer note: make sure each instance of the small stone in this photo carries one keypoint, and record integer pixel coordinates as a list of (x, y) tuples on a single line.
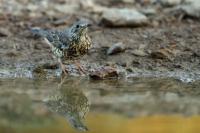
[(4, 32), (91, 6), (12, 53), (125, 1), (87, 4), (104, 73), (135, 63), (116, 48), (67, 9), (129, 69), (139, 53), (149, 11), (122, 63), (170, 2), (50, 66), (123, 17), (192, 8), (163, 53), (32, 7), (61, 1), (128, 1), (61, 21)]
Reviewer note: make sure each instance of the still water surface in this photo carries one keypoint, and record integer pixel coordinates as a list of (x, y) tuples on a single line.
[(140, 105)]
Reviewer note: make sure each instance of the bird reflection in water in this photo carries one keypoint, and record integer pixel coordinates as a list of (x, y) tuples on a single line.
[(70, 102)]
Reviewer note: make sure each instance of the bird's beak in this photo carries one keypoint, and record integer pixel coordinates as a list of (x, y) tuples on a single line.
[(86, 25), (89, 24)]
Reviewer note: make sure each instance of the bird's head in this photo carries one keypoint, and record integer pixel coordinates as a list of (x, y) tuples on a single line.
[(80, 28), (78, 124)]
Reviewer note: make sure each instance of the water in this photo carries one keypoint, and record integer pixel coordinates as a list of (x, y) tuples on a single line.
[(111, 106)]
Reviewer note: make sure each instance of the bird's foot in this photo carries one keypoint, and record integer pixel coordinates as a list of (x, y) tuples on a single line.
[(80, 68), (64, 69)]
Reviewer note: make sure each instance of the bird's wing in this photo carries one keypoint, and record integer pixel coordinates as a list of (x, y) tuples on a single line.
[(59, 39), (54, 38)]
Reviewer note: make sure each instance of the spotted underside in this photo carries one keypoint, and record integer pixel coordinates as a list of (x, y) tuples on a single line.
[(78, 48), (75, 50), (69, 44)]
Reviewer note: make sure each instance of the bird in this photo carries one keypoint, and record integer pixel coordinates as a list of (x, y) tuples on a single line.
[(70, 102), (69, 44)]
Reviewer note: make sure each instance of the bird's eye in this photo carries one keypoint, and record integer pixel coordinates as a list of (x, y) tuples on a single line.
[(77, 26)]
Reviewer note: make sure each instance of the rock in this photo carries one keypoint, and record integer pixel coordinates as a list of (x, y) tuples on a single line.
[(60, 21), (169, 52), (138, 53), (164, 53), (149, 11), (12, 53), (50, 66), (170, 2), (122, 63), (129, 69), (91, 6), (145, 2), (116, 48), (32, 7), (191, 8), (123, 17), (61, 1), (104, 73), (67, 8), (4, 32), (125, 1)]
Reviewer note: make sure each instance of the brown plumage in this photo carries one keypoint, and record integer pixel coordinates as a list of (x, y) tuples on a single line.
[(76, 51), (69, 44)]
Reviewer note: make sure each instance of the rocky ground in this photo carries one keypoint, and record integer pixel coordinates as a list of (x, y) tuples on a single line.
[(152, 38)]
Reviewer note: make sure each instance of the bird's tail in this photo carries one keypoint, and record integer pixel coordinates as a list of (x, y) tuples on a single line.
[(39, 32)]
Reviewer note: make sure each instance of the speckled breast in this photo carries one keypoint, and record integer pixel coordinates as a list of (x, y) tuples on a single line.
[(78, 48)]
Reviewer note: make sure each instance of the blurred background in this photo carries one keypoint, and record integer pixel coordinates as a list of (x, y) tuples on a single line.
[(145, 55)]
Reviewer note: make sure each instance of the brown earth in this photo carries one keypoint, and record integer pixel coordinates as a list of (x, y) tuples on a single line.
[(166, 43)]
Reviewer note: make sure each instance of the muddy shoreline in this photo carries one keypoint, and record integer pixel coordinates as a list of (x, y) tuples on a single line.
[(166, 45)]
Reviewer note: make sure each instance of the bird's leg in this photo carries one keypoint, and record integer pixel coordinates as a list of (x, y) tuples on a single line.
[(80, 68), (62, 67), (61, 81)]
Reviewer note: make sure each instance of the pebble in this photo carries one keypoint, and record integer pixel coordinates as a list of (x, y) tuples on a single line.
[(139, 53), (170, 2), (123, 17), (164, 53), (4, 32), (191, 8), (116, 48), (104, 73)]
